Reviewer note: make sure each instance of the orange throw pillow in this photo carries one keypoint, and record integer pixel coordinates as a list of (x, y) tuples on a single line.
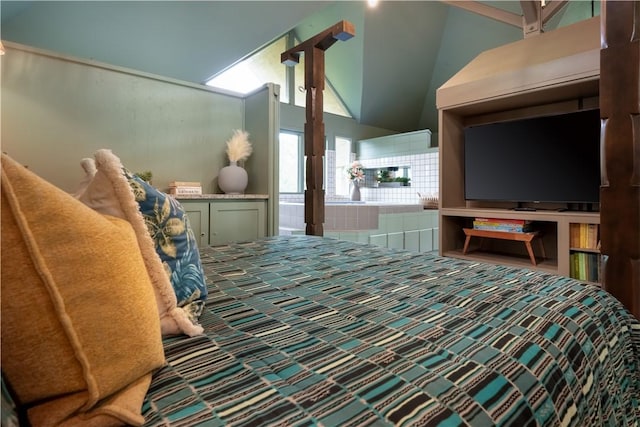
[(80, 326)]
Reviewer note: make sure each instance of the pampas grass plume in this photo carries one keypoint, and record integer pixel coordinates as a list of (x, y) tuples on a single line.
[(238, 146)]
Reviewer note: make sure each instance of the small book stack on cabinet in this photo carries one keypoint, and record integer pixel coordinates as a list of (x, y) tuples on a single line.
[(185, 188), (584, 240)]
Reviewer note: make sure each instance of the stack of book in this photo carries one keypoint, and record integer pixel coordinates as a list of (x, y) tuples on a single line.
[(583, 236), (184, 188), (585, 266), (585, 252), (506, 225)]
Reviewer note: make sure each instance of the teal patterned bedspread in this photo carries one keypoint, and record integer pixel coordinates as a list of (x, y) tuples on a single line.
[(309, 331)]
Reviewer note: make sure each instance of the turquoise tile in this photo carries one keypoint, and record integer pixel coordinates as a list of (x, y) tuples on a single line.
[(412, 240), (395, 240), (426, 240), (394, 223), (378, 240), (411, 221), (349, 236)]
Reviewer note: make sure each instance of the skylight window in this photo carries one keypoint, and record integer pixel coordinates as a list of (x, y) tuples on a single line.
[(251, 73), (263, 67)]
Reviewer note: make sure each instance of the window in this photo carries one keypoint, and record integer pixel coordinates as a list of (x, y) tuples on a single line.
[(343, 160), (264, 66), (249, 74), (291, 162)]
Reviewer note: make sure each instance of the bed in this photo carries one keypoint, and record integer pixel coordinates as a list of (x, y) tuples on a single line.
[(283, 331), (304, 330)]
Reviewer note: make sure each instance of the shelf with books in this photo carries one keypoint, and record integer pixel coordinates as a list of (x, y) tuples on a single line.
[(585, 266), (554, 232), (584, 247), (505, 243), (584, 236)]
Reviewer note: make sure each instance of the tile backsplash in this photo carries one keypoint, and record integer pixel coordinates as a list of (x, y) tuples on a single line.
[(424, 177), (412, 149)]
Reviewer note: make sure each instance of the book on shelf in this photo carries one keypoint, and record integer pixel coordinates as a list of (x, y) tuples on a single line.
[(585, 266), (504, 221), (584, 236), (506, 225), (185, 191), (184, 184), (185, 188)]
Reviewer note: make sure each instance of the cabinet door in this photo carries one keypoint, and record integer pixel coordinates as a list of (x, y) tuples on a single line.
[(198, 214), (233, 221)]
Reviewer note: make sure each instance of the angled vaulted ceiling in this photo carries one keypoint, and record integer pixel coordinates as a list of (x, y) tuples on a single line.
[(387, 75)]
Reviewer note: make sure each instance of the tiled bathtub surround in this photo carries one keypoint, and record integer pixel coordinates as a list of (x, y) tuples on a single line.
[(395, 226), (342, 217), (412, 149), (337, 217)]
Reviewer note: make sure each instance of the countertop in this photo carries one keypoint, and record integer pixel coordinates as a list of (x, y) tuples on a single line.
[(222, 196)]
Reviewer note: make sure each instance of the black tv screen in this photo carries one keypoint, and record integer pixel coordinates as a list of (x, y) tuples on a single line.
[(553, 159)]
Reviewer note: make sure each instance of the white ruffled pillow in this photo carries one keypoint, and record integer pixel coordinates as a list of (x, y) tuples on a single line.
[(109, 193)]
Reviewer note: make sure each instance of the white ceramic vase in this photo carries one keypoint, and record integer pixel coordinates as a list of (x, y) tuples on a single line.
[(233, 179), (355, 191)]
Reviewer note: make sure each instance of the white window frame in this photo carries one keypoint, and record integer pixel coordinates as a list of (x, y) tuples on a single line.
[(285, 174), (344, 157)]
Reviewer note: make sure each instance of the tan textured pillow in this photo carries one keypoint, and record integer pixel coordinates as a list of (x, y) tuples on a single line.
[(109, 193), (80, 327)]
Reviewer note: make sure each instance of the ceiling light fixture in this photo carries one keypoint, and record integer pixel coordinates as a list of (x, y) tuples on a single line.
[(372, 3)]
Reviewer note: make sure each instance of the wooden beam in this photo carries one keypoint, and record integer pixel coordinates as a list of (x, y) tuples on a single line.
[(532, 20), (498, 14), (620, 148), (531, 17), (343, 30), (551, 8), (314, 136)]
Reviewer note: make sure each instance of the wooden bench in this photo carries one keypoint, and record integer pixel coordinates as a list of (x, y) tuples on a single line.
[(505, 235)]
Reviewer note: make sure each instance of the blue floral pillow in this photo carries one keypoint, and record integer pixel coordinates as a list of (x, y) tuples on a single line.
[(175, 243)]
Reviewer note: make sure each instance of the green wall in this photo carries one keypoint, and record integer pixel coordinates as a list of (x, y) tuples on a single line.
[(56, 111)]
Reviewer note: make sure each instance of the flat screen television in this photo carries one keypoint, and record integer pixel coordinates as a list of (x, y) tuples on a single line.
[(553, 159)]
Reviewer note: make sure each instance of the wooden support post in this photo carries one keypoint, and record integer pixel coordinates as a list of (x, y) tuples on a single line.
[(620, 189), (314, 135), (314, 141)]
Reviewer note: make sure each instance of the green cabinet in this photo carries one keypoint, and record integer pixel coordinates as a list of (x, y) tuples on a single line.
[(236, 221), (198, 214), (216, 222)]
